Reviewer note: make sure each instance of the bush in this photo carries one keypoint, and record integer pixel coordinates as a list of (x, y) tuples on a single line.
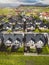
[(3, 47)]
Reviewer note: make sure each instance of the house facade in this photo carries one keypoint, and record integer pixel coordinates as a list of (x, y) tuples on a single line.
[(33, 40), (14, 39)]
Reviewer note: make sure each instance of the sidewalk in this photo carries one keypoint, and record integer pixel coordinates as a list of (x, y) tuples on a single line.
[(34, 54)]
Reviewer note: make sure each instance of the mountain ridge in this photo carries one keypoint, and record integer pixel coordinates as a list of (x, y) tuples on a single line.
[(14, 5)]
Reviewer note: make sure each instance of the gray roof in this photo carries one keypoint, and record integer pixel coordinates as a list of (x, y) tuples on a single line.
[(35, 38), (13, 37)]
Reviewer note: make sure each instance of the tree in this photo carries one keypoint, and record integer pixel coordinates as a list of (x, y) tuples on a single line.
[(3, 47), (45, 21), (24, 26), (36, 17), (1, 27)]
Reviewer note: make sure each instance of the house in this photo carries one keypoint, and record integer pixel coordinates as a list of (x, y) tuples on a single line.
[(8, 39), (13, 40), (8, 42), (2, 22), (30, 40), (43, 26), (23, 19), (18, 40), (15, 17), (35, 40), (12, 21), (7, 26), (2, 16), (31, 43), (17, 11), (39, 44), (18, 27), (28, 22), (30, 27), (29, 19), (38, 22), (17, 43), (19, 19), (40, 38), (44, 15)]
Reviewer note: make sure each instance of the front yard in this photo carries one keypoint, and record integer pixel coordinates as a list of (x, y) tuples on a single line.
[(7, 59)]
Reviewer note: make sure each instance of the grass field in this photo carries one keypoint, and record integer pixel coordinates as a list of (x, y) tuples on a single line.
[(8, 59), (7, 10)]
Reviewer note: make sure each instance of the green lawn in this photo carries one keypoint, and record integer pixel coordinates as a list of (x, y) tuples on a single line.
[(23, 60), (45, 50), (41, 31)]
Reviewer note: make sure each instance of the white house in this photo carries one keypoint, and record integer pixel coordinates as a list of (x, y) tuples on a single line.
[(31, 43), (44, 15), (39, 44), (8, 43), (17, 43)]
